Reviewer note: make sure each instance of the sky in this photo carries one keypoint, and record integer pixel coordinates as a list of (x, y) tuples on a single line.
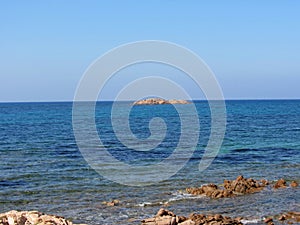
[(252, 47)]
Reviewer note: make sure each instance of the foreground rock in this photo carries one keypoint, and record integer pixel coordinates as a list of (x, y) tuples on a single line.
[(165, 217), (32, 218), (285, 218), (239, 186), (159, 101)]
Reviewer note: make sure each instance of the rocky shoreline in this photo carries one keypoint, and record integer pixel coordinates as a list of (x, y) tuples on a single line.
[(162, 217), (239, 186), (230, 188), (159, 101), (165, 217)]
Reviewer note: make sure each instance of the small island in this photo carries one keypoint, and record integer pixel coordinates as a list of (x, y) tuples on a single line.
[(159, 101)]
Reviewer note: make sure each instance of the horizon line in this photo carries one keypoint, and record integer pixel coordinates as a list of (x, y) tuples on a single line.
[(111, 100)]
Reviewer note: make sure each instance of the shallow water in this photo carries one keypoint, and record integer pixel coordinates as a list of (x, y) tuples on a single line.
[(42, 169)]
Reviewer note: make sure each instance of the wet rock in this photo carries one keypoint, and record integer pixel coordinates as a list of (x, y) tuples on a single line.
[(114, 202), (195, 191), (265, 182), (162, 217), (180, 219), (294, 184), (32, 218), (149, 221), (293, 216), (244, 186), (164, 212), (282, 217), (165, 217), (165, 220), (285, 218), (281, 183), (268, 220), (230, 188), (187, 222)]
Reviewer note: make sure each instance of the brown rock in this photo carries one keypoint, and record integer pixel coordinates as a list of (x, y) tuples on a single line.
[(22, 220), (180, 219), (281, 183), (195, 191), (187, 222), (218, 217), (295, 216), (231, 188), (282, 218), (268, 220), (239, 178), (149, 220), (265, 182), (294, 184), (114, 202), (31, 217), (165, 220), (239, 219), (164, 212)]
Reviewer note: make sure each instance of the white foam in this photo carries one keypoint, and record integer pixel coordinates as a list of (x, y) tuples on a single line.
[(181, 196), (144, 204), (177, 197), (244, 221)]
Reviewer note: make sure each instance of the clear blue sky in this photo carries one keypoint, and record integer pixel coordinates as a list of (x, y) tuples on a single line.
[(253, 47)]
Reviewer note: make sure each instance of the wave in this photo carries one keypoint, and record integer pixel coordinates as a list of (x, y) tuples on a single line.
[(177, 196), (250, 221)]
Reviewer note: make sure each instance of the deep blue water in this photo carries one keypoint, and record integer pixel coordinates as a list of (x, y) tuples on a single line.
[(42, 169)]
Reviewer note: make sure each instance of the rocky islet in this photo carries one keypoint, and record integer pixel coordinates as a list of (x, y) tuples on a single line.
[(159, 101)]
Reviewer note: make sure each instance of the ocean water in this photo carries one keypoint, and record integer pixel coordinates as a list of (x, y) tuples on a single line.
[(41, 167)]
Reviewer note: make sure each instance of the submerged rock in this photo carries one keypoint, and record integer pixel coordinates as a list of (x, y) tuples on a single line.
[(114, 202), (294, 184), (165, 217), (159, 101), (32, 218)]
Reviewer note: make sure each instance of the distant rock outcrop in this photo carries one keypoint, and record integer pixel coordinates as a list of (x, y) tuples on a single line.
[(159, 101)]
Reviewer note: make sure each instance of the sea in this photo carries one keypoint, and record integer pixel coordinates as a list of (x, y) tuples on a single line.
[(42, 167)]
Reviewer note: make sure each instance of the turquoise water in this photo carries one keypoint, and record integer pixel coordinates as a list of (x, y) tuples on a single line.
[(42, 169)]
